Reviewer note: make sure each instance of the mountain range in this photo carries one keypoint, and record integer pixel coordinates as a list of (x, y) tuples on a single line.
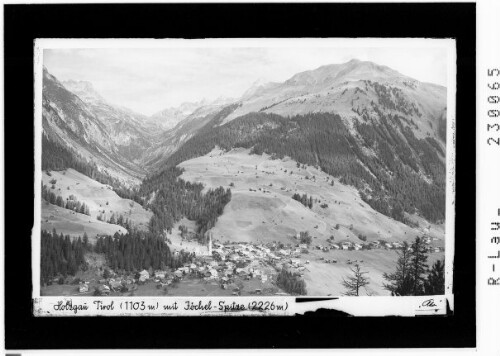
[(376, 129)]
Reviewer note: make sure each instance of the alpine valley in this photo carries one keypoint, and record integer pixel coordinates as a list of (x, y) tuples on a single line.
[(290, 188)]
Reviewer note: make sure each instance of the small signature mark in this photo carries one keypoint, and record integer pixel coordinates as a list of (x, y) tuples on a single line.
[(428, 303)]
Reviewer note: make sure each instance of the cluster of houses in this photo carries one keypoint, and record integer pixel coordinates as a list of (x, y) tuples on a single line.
[(113, 284), (376, 244), (244, 261), (226, 264)]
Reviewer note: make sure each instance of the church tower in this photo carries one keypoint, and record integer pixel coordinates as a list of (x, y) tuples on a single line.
[(210, 243)]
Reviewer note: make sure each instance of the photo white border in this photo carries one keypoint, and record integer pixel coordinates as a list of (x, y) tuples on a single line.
[(359, 306)]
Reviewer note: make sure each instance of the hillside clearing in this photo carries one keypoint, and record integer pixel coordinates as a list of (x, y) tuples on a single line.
[(262, 208), (74, 224), (100, 198)]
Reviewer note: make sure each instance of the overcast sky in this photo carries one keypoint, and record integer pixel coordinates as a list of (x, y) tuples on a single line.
[(149, 80)]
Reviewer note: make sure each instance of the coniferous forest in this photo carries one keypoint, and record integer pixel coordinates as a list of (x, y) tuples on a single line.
[(134, 251), (175, 198), (60, 255), (291, 283), (138, 250)]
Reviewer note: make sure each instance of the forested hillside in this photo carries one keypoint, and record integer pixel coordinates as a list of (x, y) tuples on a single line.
[(56, 157), (402, 173), (134, 251), (173, 198), (137, 250)]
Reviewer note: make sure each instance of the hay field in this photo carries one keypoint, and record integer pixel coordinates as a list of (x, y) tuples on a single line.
[(101, 200)]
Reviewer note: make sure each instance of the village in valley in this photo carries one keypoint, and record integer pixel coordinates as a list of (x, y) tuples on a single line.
[(227, 268)]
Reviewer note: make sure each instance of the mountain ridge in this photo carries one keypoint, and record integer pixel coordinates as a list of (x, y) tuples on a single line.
[(72, 123), (390, 128)]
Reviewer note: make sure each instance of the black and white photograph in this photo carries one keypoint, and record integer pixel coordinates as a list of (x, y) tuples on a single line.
[(215, 168)]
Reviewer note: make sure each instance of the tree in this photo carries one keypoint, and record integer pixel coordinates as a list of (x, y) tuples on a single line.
[(106, 274), (400, 282), (59, 255), (291, 283), (59, 201), (356, 282), (305, 238), (85, 240), (398, 212), (434, 284), (418, 265)]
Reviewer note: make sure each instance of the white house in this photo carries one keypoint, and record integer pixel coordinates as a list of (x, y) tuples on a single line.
[(295, 262), (144, 275), (84, 287), (160, 274)]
